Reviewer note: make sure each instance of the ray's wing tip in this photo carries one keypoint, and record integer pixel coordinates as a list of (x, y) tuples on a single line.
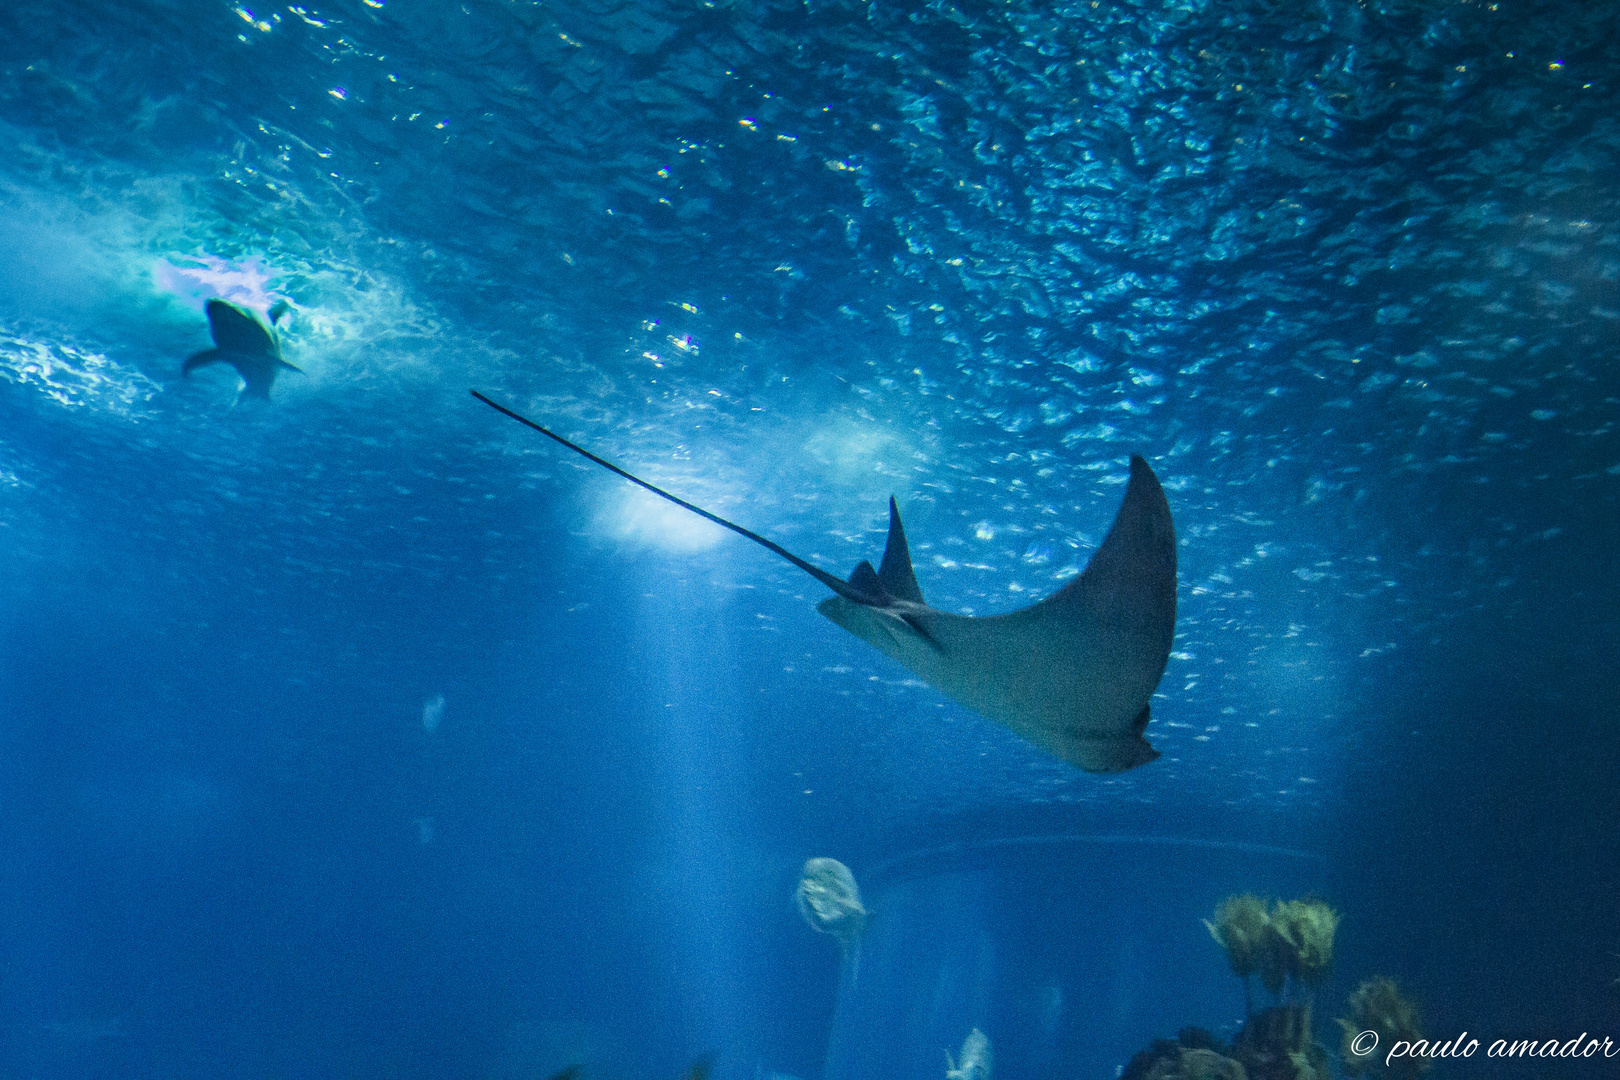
[(1143, 477)]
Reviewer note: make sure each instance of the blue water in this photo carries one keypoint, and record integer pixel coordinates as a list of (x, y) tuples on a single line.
[(1346, 273)]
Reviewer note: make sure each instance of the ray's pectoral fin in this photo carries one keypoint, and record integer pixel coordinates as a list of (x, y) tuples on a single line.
[(1072, 674)]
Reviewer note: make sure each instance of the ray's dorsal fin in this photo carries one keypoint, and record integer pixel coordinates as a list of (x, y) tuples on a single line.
[(895, 574), (847, 590), (863, 579)]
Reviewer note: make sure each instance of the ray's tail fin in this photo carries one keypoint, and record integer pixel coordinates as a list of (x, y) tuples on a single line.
[(844, 589)]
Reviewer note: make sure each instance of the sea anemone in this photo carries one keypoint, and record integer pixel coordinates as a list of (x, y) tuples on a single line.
[(1241, 928), (1378, 1006), (1306, 928)]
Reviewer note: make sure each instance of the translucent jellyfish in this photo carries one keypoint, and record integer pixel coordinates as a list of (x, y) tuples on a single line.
[(975, 1059), (830, 901), (432, 712)]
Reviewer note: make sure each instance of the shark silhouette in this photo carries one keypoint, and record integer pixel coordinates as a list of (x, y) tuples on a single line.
[(1071, 674), (243, 342)]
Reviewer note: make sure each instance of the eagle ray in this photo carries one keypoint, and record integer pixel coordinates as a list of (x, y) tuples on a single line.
[(1072, 674)]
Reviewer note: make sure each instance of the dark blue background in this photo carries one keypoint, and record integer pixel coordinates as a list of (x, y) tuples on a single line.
[(1347, 274)]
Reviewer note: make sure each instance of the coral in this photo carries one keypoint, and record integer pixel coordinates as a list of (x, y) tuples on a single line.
[(1197, 1055), (1291, 945), (1306, 927), (1150, 1062), (1295, 939), (1378, 1005), (1276, 1044), (1241, 928), (1208, 1065), (1274, 960)]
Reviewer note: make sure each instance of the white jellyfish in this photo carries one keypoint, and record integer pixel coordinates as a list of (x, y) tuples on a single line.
[(975, 1060), (830, 902), (432, 712)]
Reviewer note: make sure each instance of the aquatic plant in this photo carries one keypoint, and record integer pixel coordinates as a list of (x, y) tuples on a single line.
[(1306, 928), (1274, 963), (1274, 1044), (1290, 945), (1378, 1005), (1277, 1044), (1168, 1061), (1241, 928), (1293, 940)]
